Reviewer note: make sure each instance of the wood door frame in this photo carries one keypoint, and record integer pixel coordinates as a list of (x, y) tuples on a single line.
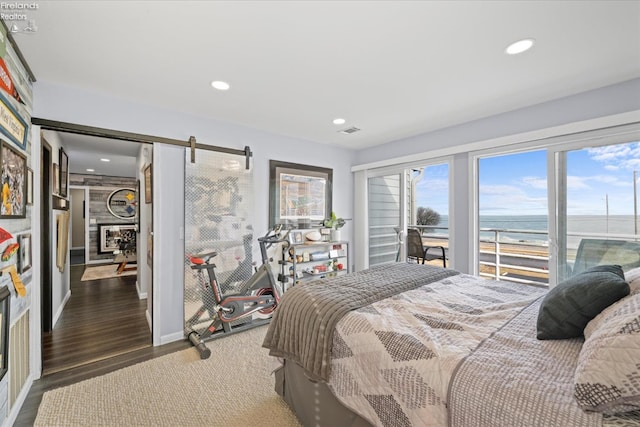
[(46, 255)]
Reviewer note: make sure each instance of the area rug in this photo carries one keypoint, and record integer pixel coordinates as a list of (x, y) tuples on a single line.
[(104, 272), (233, 387)]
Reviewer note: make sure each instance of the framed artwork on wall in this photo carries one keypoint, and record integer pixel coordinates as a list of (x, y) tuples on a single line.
[(24, 253), (5, 305), (111, 235), (29, 186), (148, 184), (56, 179), (13, 181), (299, 195), (64, 173)]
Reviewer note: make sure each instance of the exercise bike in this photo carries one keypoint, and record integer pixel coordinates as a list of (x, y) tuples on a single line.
[(254, 299)]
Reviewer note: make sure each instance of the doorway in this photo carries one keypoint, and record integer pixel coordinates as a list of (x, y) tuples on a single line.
[(92, 318), (77, 208)]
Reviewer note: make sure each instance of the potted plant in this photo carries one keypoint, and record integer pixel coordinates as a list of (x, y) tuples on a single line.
[(335, 224)]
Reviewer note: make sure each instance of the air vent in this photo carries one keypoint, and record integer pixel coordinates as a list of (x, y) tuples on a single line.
[(350, 130)]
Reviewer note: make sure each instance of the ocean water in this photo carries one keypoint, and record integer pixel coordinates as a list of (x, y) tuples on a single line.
[(612, 224)]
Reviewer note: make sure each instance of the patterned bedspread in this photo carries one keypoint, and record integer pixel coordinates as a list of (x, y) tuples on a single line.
[(392, 360), (514, 379), (302, 327)]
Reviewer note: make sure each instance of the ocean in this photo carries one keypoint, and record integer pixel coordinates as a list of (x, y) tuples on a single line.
[(612, 224)]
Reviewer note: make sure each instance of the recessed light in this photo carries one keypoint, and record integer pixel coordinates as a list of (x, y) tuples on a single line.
[(220, 85), (91, 170), (339, 121), (105, 160), (519, 46)]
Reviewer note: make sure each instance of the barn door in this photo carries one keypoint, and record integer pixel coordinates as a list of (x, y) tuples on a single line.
[(218, 218)]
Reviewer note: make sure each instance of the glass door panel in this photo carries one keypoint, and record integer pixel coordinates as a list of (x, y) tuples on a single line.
[(428, 204), (597, 207), (385, 218), (513, 225)]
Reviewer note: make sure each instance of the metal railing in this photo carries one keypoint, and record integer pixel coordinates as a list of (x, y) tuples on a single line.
[(522, 260), (500, 257), (526, 260)]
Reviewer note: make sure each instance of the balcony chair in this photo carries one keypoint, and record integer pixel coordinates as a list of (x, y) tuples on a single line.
[(592, 252), (418, 251)]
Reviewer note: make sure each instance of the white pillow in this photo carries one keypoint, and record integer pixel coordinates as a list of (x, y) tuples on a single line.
[(633, 279), (606, 378)]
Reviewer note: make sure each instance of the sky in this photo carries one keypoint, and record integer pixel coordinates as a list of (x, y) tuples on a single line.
[(516, 184)]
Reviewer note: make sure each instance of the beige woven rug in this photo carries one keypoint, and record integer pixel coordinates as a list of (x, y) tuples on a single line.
[(104, 272), (232, 388)]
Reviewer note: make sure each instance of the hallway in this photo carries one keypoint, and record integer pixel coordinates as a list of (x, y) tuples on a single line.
[(103, 318)]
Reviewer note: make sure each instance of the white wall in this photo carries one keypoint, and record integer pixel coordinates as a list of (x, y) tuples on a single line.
[(70, 104), (619, 98)]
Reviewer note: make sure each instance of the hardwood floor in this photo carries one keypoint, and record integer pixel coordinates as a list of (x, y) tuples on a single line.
[(102, 328)]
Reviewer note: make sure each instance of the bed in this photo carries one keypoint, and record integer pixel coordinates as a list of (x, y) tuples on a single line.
[(416, 345)]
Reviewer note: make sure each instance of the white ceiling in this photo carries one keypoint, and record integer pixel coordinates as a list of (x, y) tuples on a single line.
[(391, 68), (87, 152)]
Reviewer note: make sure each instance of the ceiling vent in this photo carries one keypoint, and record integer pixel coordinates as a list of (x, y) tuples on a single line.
[(349, 131)]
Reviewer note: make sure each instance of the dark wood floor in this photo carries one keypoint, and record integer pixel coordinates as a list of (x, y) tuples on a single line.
[(102, 328)]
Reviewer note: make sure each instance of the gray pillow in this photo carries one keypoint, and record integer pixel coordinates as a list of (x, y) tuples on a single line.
[(567, 308)]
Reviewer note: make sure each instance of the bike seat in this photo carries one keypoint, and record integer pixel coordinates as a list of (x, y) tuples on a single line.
[(200, 259)]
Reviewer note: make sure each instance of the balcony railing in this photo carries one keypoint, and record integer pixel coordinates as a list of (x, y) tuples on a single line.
[(517, 260)]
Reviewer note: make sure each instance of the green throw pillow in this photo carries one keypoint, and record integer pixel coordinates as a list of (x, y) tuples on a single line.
[(567, 308)]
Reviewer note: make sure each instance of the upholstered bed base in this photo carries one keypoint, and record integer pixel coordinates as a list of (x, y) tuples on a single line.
[(313, 402)]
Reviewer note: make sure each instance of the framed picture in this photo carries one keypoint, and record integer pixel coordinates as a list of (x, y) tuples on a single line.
[(24, 253), (138, 206), (56, 179), (5, 305), (29, 186), (64, 173), (111, 235), (299, 195), (295, 237), (13, 181), (14, 126), (148, 184)]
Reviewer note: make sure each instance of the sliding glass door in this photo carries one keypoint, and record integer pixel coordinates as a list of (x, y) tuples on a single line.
[(414, 197), (386, 195), (597, 219), (512, 217)]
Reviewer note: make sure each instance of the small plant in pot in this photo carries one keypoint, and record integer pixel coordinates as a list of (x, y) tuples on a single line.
[(335, 224)]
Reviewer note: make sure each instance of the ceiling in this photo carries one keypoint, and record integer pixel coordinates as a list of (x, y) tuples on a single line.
[(88, 152), (391, 68)]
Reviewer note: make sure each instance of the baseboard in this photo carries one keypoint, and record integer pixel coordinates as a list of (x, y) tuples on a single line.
[(141, 295), (56, 317), (166, 339)]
